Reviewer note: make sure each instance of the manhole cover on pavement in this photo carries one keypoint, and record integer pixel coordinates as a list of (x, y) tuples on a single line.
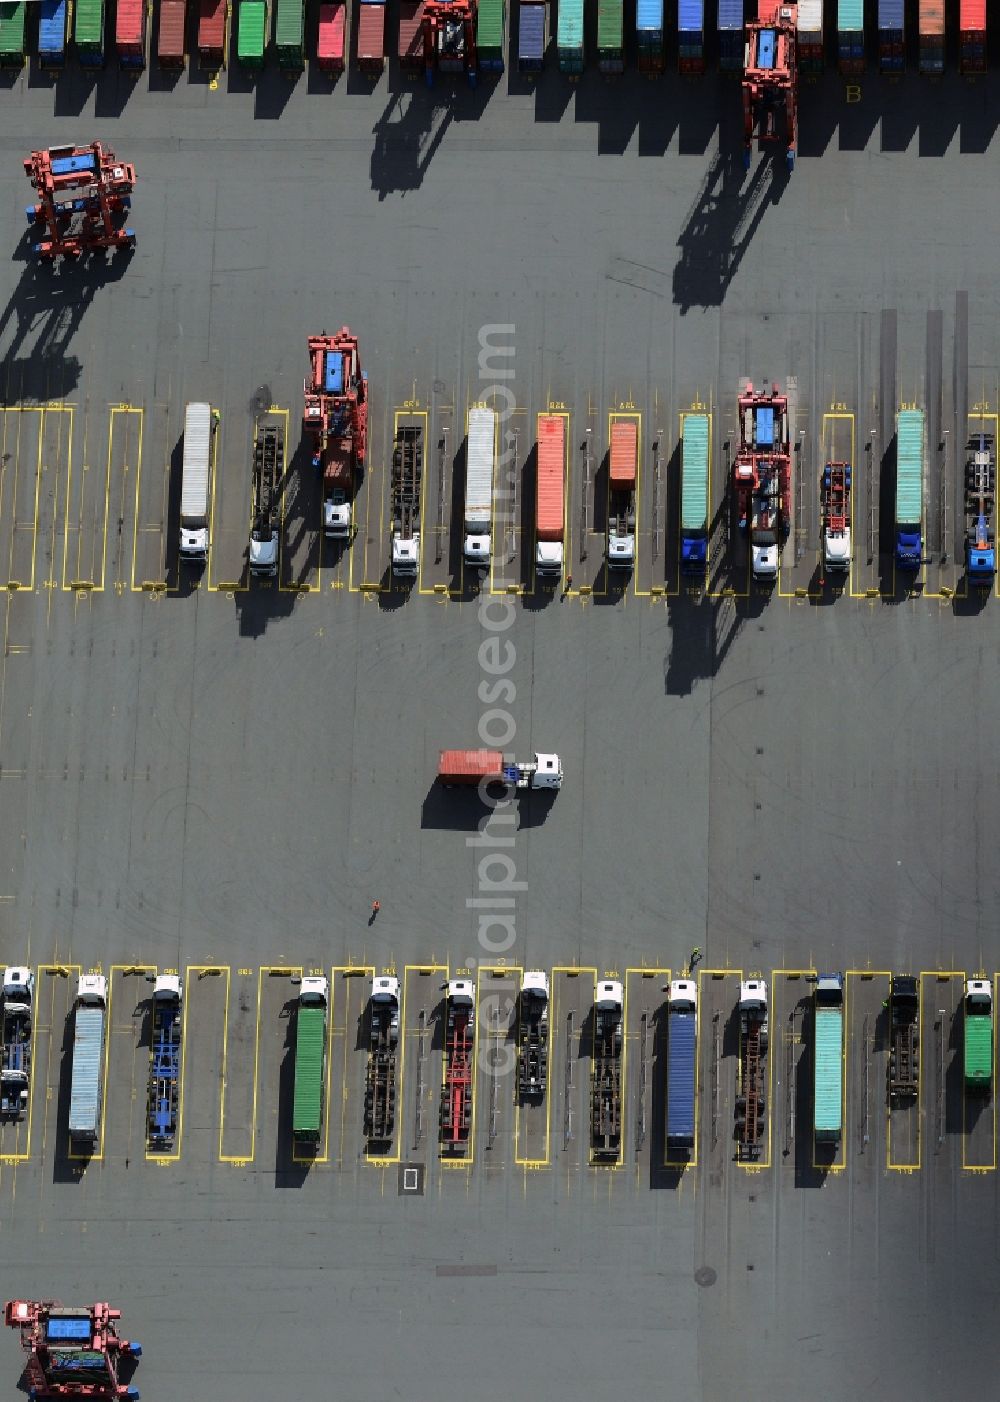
[(704, 1276)]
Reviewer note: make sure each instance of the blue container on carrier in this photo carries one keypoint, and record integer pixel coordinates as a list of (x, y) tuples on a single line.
[(52, 33), (682, 1038)]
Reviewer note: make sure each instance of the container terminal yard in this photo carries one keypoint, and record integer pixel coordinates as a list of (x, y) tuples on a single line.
[(497, 708)]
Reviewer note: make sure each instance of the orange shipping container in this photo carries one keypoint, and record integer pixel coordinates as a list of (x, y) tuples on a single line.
[(624, 451), (931, 17), (469, 766), (170, 46), (411, 21), (550, 477)]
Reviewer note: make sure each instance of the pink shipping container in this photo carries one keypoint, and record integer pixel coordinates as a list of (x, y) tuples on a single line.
[(371, 37), (130, 33), (469, 766), (410, 49), (330, 45), (624, 451), (170, 40), (550, 477), (212, 33)]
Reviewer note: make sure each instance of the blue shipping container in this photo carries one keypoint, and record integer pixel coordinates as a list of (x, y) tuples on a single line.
[(531, 37), (890, 14), (85, 1084), (731, 14), (681, 1077), (52, 31), (691, 16), (649, 15)]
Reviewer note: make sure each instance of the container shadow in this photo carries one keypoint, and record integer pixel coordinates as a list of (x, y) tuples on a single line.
[(292, 1162), (65, 1169)]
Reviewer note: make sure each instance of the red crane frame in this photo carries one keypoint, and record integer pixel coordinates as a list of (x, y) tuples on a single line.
[(92, 219), (771, 79), (33, 1318), (337, 407), (436, 14)]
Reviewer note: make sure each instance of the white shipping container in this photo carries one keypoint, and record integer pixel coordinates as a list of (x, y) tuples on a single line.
[(194, 480), (479, 470), (810, 22)]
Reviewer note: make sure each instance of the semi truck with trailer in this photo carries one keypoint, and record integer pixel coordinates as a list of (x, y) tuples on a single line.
[(828, 1058), (163, 1097), (383, 1044), (310, 1061), (837, 517), (87, 1075), (195, 468), (459, 1063), (407, 476), (977, 1035), (623, 464), (533, 1035), (904, 1037), (15, 1067), (606, 1085), (682, 1033), (268, 455), (751, 1099), (479, 463), (910, 448), (469, 768), (694, 494), (550, 484), (980, 511)]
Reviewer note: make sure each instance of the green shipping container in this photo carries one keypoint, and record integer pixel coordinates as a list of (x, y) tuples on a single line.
[(569, 36), (694, 473), (850, 16), (909, 467), (11, 34), (250, 36), (609, 26), (289, 33), (978, 1050), (88, 24), (310, 1046), (827, 1051), (489, 24)]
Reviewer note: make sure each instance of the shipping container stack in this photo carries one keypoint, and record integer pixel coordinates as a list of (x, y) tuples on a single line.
[(532, 35), (490, 17), (850, 36), (649, 35), (972, 37), (88, 32), (290, 35), (691, 36), (891, 36), (331, 38), (170, 36), (610, 36), (731, 36), (810, 36), (569, 37), (410, 37), (130, 34), (12, 26), (52, 34), (212, 34), (251, 33), (931, 36), (371, 37)]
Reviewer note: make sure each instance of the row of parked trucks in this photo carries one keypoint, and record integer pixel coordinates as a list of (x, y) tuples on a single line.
[(384, 1008), (335, 420)]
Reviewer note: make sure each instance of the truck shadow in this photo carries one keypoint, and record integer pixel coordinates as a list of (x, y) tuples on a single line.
[(291, 1162), (64, 1168)]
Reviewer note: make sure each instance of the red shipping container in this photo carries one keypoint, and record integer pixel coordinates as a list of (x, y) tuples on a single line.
[(931, 17), (469, 766), (371, 35), (170, 41), (211, 28), (624, 451), (330, 41), (972, 16), (411, 49), (550, 477), (130, 19)]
